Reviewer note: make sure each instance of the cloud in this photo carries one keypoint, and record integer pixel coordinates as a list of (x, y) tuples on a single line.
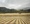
[(16, 4)]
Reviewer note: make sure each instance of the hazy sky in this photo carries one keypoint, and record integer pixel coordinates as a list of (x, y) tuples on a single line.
[(15, 4)]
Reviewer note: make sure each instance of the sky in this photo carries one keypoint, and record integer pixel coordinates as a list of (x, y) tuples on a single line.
[(15, 4)]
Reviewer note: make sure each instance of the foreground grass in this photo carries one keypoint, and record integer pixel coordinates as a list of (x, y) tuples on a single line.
[(15, 18)]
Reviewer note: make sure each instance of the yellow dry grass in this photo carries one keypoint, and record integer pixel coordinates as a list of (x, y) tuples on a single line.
[(15, 18), (15, 14)]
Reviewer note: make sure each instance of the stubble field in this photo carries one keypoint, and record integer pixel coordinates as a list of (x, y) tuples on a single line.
[(15, 18)]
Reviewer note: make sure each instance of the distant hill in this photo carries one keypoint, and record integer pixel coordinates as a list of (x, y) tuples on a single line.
[(26, 8), (5, 10)]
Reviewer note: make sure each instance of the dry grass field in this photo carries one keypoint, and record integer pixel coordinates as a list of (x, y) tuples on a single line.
[(15, 18)]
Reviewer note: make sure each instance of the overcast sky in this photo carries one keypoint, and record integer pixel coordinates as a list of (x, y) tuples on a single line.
[(15, 4)]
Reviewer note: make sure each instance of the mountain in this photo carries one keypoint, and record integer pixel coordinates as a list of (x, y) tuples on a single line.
[(26, 8), (5, 10)]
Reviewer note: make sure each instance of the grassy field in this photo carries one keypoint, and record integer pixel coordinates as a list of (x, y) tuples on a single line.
[(15, 18)]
